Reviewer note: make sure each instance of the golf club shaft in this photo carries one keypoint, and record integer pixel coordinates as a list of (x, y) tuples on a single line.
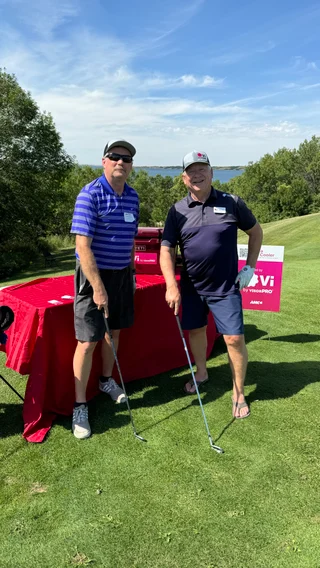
[(11, 387), (120, 375), (213, 446)]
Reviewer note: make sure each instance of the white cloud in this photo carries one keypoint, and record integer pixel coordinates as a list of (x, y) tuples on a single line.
[(231, 57), (307, 87), (45, 16), (93, 98), (206, 81), (163, 128), (124, 78), (301, 64), (177, 19), (267, 47)]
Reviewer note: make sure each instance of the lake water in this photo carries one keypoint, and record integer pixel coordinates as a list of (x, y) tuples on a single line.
[(221, 175)]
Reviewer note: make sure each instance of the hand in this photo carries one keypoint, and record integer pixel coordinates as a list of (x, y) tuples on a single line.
[(244, 276), (173, 298), (100, 298)]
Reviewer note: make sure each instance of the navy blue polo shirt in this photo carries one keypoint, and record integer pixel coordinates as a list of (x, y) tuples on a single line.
[(207, 236), (111, 220)]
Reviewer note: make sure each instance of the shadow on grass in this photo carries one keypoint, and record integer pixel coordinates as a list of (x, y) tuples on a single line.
[(296, 338), (104, 415), (64, 261), (271, 380), (10, 419)]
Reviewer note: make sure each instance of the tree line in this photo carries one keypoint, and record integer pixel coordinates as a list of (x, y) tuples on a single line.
[(39, 181)]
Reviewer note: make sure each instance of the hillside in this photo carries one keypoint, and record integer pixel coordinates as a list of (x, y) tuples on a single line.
[(299, 235)]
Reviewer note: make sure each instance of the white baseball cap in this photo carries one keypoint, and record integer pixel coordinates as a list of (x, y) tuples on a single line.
[(195, 157)]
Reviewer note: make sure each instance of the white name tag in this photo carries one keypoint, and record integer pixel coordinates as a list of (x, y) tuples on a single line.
[(219, 210), (128, 217)]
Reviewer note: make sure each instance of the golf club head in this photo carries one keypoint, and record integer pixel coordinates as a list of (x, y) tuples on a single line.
[(139, 437), (217, 449)]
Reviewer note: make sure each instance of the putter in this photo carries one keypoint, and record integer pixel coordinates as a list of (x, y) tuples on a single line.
[(213, 446), (121, 379)]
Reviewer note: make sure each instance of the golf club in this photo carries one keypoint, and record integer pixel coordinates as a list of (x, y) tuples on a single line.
[(213, 446), (11, 387), (121, 379)]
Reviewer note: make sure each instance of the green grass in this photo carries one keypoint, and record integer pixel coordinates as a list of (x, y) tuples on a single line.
[(112, 501)]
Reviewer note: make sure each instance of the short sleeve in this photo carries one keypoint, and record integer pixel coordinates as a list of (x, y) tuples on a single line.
[(85, 215), (170, 233), (245, 217)]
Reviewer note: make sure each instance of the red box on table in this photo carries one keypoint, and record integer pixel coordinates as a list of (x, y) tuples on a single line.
[(147, 250)]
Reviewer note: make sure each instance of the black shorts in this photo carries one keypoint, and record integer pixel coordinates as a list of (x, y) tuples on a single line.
[(88, 320)]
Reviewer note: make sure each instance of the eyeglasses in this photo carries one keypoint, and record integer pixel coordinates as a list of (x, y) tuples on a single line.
[(116, 157)]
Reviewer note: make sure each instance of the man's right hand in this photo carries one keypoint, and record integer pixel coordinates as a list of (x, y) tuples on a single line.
[(173, 298), (100, 298)]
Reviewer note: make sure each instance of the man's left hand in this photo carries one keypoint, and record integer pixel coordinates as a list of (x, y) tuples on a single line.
[(244, 276)]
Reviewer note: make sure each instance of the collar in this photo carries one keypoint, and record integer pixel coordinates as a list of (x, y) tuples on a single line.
[(106, 185), (193, 203)]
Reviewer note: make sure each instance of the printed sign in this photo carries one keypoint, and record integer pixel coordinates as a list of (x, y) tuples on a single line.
[(146, 257), (264, 290)]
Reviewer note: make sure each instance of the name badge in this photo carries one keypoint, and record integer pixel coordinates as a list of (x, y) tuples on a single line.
[(220, 210), (128, 217)]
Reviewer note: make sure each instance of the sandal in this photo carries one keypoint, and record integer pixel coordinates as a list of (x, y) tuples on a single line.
[(239, 405), (191, 384)]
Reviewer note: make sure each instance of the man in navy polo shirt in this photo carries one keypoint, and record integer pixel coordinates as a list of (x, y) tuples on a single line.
[(105, 222), (204, 224)]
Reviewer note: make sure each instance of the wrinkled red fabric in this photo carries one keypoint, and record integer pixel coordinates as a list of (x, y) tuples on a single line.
[(41, 344)]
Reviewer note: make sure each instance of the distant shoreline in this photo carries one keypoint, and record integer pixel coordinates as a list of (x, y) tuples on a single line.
[(180, 168), (176, 167)]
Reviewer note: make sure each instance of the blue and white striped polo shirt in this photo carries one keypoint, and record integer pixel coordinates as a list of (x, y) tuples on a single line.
[(110, 220)]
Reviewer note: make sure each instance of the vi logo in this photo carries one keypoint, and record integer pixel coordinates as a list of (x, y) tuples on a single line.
[(264, 281)]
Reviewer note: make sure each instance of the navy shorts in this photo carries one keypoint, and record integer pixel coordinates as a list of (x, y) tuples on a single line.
[(226, 310)]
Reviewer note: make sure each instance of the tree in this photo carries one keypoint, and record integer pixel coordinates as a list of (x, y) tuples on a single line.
[(142, 183), (282, 185), (75, 180), (33, 164)]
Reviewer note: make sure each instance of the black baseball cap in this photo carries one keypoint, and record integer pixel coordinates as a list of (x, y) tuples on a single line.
[(122, 143)]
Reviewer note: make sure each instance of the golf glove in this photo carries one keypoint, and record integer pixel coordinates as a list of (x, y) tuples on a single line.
[(244, 276)]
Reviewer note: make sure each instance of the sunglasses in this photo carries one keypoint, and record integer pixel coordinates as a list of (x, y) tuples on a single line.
[(116, 157)]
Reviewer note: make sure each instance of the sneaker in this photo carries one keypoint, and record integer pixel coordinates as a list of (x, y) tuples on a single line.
[(112, 388), (80, 423)]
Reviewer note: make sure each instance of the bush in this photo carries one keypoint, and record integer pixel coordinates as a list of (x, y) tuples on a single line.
[(16, 256)]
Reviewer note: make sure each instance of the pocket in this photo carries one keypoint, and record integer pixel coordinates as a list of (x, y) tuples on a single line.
[(83, 285)]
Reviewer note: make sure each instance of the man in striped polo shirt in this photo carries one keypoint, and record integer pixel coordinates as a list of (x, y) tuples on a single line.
[(105, 222)]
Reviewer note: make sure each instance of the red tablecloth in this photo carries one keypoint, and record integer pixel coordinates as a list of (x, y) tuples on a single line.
[(41, 343)]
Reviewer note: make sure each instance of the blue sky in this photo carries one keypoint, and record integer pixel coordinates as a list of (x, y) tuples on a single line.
[(235, 79)]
